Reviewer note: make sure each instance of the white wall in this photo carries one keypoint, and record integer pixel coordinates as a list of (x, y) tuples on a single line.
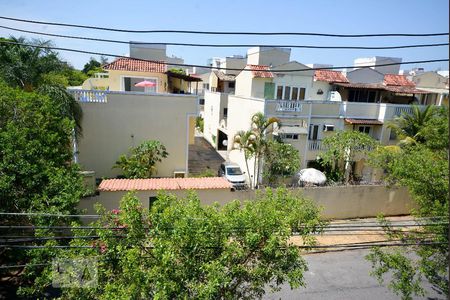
[(213, 114), (126, 120), (365, 76)]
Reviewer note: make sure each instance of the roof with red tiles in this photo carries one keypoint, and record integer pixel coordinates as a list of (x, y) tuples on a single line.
[(363, 121), (397, 80), (135, 65), (155, 184), (260, 71), (330, 76)]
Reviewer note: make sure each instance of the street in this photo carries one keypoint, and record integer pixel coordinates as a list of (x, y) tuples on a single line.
[(341, 275)]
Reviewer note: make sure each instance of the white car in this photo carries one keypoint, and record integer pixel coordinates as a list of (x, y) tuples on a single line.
[(233, 174)]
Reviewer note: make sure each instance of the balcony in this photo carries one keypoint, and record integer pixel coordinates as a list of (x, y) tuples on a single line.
[(289, 105), (92, 96), (315, 145)]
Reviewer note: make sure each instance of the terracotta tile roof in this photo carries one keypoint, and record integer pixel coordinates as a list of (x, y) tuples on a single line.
[(363, 121), (397, 80), (371, 86), (260, 71), (154, 184), (129, 64), (225, 77), (330, 76), (404, 90)]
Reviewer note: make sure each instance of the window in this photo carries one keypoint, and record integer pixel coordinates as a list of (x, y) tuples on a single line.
[(225, 112), (289, 136), (294, 93), (302, 94), (313, 132), (231, 84), (279, 92), (364, 129), (206, 86), (287, 93), (201, 101), (362, 96)]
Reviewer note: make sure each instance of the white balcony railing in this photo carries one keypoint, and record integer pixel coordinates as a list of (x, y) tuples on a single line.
[(403, 109), (315, 145), (289, 105), (89, 96)]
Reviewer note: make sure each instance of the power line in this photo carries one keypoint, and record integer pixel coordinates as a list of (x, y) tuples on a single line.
[(228, 45), (220, 68), (227, 32)]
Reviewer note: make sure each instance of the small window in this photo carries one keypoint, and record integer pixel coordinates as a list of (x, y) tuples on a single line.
[(287, 92), (231, 84), (302, 94), (225, 112), (279, 92), (294, 93), (201, 101), (364, 129)]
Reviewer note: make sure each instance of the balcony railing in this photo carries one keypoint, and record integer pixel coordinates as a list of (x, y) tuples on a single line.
[(404, 109), (289, 105), (315, 145), (89, 96)]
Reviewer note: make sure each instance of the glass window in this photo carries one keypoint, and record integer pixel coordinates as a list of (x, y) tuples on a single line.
[(234, 171), (364, 129), (294, 93), (287, 92), (231, 84), (302, 94), (279, 92)]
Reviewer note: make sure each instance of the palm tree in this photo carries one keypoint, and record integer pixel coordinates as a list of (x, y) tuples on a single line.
[(408, 126), (244, 140), (261, 127)]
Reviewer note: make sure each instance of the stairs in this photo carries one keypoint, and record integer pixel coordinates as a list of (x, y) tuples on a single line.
[(203, 157)]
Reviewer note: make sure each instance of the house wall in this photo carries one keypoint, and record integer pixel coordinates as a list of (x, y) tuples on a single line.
[(268, 56), (126, 120), (244, 82), (96, 84), (366, 75), (234, 63), (295, 81), (341, 202), (324, 86), (116, 79), (258, 87), (430, 80), (213, 114)]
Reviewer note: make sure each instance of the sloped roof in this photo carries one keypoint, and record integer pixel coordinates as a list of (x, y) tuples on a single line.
[(225, 77), (397, 80), (155, 184), (363, 121), (330, 76), (260, 71), (135, 65)]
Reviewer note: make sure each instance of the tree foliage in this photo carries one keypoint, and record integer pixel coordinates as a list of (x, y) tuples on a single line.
[(182, 249), (280, 160), (141, 163), (342, 148), (422, 167)]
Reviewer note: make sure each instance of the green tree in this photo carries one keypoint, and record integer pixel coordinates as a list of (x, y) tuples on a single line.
[(142, 160), (182, 249), (342, 148), (262, 127), (408, 125), (281, 160), (244, 141), (422, 167), (92, 64)]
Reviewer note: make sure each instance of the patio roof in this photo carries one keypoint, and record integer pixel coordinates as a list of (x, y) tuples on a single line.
[(259, 71), (363, 121), (330, 76), (136, 65), (225, 77), (155, 184), (183, 76)]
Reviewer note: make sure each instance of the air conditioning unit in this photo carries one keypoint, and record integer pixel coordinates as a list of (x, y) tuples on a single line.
[(328, 127), (179, 174)]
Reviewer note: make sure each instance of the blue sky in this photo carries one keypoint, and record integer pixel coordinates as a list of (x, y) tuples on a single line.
[(327, 16)]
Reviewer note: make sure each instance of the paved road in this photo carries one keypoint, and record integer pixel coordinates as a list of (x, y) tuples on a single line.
[(340, 275)]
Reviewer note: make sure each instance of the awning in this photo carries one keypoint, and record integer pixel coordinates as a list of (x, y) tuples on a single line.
[(293, 130), (363, 121), (182, 76), (434, 90)]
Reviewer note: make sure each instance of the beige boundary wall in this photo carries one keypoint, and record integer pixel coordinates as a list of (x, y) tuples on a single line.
[(342, 202), (126, 120)]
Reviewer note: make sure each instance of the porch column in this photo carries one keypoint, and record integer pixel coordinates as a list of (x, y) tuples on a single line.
[(441, 96)]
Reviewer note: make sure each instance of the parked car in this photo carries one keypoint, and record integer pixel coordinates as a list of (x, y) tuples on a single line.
[(233, 174)]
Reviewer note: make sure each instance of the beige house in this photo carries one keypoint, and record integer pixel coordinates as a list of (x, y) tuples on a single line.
[(436, 85)]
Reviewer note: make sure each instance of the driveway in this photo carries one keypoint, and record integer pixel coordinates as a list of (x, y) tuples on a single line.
[(203, 157)]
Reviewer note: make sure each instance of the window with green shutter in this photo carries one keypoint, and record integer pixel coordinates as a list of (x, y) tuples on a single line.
[(269, 90)]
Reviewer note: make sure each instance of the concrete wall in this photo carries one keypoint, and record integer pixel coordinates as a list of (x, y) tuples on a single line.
[(213, 114), (365, 76), (268, 56), (337, 202), (126, 120)]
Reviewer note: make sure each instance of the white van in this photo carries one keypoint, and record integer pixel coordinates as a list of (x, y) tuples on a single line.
[(233, 174)]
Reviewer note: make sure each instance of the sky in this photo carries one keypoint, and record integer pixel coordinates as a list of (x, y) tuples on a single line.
[(324, 16)]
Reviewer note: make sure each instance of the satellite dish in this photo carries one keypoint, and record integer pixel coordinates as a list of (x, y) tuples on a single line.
[(225, 142)]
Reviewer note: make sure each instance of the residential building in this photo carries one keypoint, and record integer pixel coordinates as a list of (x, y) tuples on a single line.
[(435, 84), (378, 63)]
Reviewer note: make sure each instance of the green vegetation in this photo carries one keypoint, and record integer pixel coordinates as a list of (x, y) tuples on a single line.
[(178, 71), (341, 149), (199, 123), (184, 250), (422, 167), (142, 160), (93, 66), (280, 160)]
